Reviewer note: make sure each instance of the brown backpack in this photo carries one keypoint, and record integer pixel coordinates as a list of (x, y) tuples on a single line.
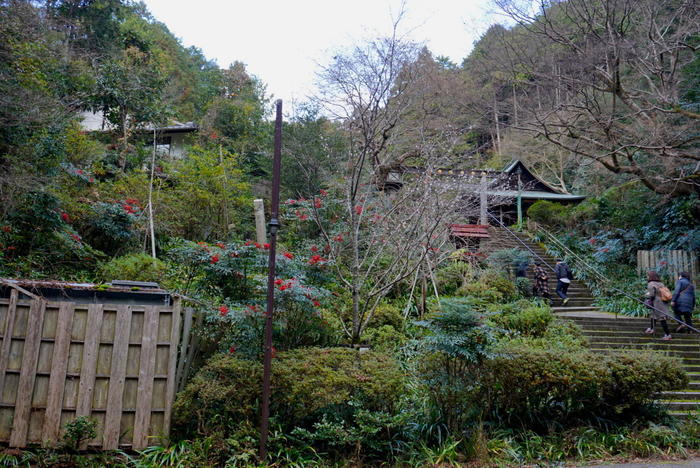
[(665, 294)]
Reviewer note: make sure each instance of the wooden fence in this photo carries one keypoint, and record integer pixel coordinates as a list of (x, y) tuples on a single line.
[(115, 364), (668, 262)]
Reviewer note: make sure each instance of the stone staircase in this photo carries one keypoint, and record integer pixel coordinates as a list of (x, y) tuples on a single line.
[(607, 333), (580, 297), (611, 333)]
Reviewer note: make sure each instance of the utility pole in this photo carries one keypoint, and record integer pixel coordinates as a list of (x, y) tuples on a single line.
[(274, 227)]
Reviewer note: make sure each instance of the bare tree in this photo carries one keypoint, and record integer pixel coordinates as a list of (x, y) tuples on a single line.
[(607, 80), (383, 236)]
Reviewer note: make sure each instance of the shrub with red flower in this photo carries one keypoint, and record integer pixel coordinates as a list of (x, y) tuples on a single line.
[(240, 282), (358, 209), (65, 217), (316, 259)]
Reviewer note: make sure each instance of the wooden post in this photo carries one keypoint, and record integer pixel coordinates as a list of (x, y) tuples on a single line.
[(261, 235)]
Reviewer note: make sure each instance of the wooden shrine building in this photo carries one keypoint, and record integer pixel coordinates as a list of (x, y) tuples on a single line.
[(517, 185)]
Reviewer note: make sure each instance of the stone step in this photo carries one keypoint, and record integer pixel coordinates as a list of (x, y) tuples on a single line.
[(634, 330), (622, 347), (604, 323), (661, 346), (636, 333), (556, 309), (678, 414), (641, 340), (573, 302), (682, 395), (680, 405)]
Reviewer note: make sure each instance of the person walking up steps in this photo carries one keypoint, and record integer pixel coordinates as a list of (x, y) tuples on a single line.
[(564, 277), (658, 309), (541, 288), (683, 300)]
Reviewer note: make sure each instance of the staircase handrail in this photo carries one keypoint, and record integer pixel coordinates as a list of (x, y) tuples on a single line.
[(570, 254), (509, 231), (602, 277)]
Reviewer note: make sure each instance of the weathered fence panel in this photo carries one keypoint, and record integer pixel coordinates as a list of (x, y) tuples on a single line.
[(113, 363), (668, 262)]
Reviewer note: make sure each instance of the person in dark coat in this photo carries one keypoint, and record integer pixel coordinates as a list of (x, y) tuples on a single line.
[(564, 277), (541, 288), (683, 300)]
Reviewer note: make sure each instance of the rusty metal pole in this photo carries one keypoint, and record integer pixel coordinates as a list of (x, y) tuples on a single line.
[(274, 226)]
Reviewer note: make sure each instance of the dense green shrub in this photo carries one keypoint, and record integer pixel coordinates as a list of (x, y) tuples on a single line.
[(538, 388), (134, 267), (387, 314), (110, 227), (525, 447), (452, 353), (385, 338), (310, 384), (490, 287), (452, 276), (549, 213), (529, 319), (559, 335), (508, 259), (524, 286)]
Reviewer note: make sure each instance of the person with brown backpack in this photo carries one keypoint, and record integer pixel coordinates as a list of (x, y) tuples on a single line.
[(657, 297)]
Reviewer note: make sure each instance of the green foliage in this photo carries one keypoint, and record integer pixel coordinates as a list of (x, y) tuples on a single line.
[(589, 444), (455, 348), (531, 320), (387, 314), (235, 276), (489, 287), (550, 388), (79, 430), (507, 259), (559, 335), (524, 286), (452, 276), (385, 338), (549, 213), (210, 196), (134, 267), (335, 398), (111, 226)]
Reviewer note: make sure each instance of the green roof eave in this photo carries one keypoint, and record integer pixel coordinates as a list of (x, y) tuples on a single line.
[(536, 195)]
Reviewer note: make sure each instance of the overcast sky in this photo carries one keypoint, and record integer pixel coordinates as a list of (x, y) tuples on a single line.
[(283, 41)]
